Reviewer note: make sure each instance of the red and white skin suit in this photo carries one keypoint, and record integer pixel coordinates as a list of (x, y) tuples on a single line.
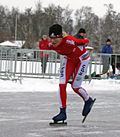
[(76, 58)]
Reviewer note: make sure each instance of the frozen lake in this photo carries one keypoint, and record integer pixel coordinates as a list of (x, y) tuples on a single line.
[(27, 114)]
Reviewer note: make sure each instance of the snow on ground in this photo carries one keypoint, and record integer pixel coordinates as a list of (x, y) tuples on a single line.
[(51, 85)]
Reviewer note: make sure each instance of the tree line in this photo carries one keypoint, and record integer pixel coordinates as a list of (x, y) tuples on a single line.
[(31, 24)]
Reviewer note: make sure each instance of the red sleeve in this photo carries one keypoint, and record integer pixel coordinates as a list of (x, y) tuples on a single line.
[(84, 42), (78, 42)]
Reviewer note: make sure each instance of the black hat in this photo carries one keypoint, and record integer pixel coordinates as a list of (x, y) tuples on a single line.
[(55, 31), (108, 40), (82, 31)]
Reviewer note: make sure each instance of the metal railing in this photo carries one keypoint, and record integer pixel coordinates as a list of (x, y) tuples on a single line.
[(19, 63), (27, 63), (97, 63)]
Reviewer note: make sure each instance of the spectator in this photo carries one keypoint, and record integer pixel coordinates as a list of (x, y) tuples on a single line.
[(44, 56), (81, 34), (106, 49)]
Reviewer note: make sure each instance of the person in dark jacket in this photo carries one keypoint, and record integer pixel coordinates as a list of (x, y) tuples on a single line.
[(106, 49), (81, 34), (43, 56)]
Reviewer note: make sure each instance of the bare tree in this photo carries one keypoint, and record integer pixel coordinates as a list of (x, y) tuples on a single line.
[(67, 21), (85, 18), (31, 25), (111, 27)]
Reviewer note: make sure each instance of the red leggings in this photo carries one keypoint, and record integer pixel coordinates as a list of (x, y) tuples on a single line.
[(67, 70)]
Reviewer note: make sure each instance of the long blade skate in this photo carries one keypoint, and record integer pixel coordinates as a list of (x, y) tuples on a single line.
[(88, 113), (58, 123)]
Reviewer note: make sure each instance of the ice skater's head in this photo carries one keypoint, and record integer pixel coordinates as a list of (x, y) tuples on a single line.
[(55, 34)]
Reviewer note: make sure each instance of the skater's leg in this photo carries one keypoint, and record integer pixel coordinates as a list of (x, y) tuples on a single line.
[(78, 78), (76, 85), (65, 74), (67, 70)]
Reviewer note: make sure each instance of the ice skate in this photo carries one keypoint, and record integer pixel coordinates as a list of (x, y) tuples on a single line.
[(87, 108), (60, 118)]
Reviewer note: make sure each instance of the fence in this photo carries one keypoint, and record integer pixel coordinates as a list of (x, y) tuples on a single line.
[(19, 63), (113, 60)]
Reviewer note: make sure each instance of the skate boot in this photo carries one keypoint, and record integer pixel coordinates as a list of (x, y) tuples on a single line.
[(61, 116), (87, 106)]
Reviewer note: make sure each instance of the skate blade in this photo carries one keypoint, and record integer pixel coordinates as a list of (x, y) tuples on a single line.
[(84, 119), (88, 113), (58, 123)]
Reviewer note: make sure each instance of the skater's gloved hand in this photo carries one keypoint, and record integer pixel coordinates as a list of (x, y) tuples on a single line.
[(83, 42), (86, 42)]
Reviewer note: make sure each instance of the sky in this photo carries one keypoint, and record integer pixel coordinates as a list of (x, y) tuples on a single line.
[(97, 5)]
